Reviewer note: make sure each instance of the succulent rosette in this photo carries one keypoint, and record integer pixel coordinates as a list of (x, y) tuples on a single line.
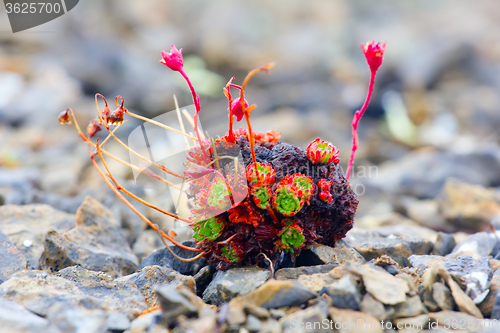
[(264, 175), (261, 196), (291, 238), (209, 229), (322, 152), (286, 200)]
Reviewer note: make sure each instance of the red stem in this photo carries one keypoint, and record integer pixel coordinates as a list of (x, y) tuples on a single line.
[(357, 116)]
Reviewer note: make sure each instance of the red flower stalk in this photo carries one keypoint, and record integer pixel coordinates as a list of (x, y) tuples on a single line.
[(175, 62), (374, 54)]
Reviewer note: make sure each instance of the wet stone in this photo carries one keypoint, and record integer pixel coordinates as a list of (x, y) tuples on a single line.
[(292, 273), (233, 282), (26, 226), (164, 258), (323, 254), (11, 259), (150, 276), (97, 243)]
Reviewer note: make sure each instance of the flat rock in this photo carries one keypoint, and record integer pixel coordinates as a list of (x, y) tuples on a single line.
[(422, 262), (372, 245), (11, 259), (38, 291), (233, 282), (150, 276), (381, 285), (472, 275), (15, 318), (164, 258), (323, 254), (293, 273), (275, 294), (442, 296), (362, 322), (316, 282), (27, 226), (96, 242)]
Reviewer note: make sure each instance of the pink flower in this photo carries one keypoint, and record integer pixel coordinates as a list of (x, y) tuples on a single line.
[(237, 110), (374, 53), (173, 60)]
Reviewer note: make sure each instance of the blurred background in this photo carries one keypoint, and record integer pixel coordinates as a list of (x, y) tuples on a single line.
[(434, 114)]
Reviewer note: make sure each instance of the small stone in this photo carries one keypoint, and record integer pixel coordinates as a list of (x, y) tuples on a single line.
[(422, 262), (323, 254), (486, 306), (464, 302), (308, 320), (362, 321), (372, 307), (473, 275), (420, 322), (32, 222), (16, 318), (38, 291), (316, 282), (150, 276), (427, 299), (380, 284), (450, 317), (164, 258), (344, 293), (77, 319), (372, 245), (117, 322), (235, 316), (477, 246), (276, 294), (11, 259), (96, 242), (444, 244), (199, 325), (257, 311), (495, 311), (391, 269), (233, 282), (277, 313), (145, 322), (410, 308), (176, 301), (253, 324), (442, 296), (294, 272), (271, 326), (147, 242), (467, 206)]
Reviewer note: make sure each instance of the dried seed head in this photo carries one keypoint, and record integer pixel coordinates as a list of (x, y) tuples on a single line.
[(64, 117), (93, 128), (116, 116), (322, 152)]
